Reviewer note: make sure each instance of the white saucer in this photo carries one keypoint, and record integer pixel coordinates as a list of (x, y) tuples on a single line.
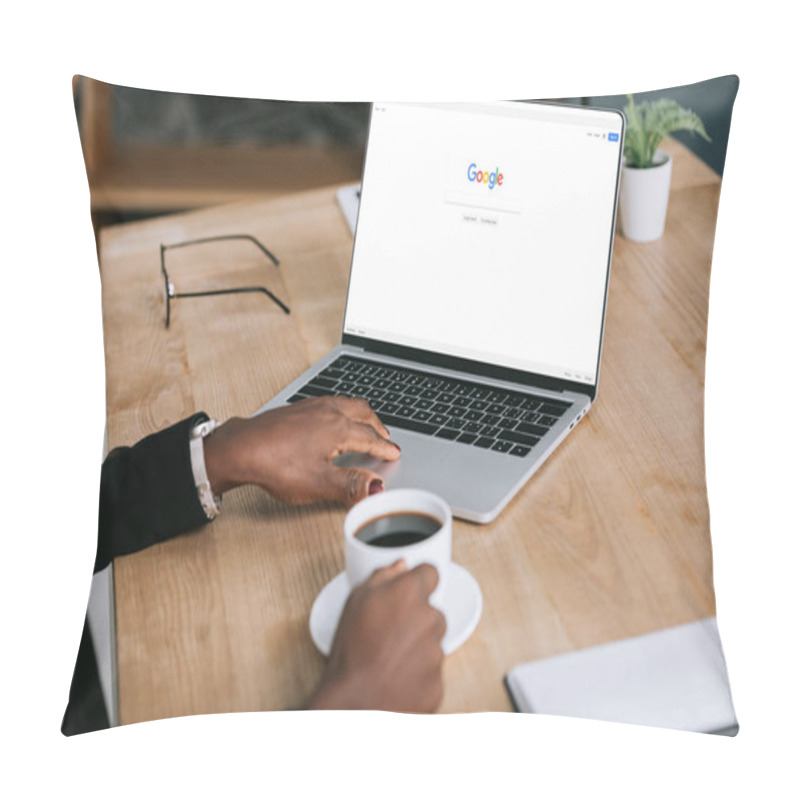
[(463, 603)]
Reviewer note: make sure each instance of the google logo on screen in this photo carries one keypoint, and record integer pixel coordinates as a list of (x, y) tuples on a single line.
[(492, 179)]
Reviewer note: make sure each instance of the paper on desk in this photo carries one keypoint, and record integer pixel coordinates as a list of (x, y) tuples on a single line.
[(348, 198), (674, 678)]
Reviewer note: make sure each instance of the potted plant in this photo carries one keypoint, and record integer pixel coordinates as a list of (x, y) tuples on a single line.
[(646, 171)]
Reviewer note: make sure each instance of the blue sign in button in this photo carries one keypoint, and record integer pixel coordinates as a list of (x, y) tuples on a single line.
[(613, 137)]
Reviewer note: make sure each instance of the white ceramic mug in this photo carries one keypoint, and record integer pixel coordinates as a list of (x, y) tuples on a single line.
[(362, 559)]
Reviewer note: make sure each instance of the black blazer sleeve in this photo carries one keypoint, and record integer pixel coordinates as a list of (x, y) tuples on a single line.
[(147, 493)]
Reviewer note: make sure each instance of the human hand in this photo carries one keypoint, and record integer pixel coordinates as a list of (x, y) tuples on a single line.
[(387, 653), (288, 451)]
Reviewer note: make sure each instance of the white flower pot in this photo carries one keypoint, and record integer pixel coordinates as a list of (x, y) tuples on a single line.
[(643, 198)]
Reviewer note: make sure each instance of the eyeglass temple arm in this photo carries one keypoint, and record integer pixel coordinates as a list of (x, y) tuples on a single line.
[(240, 290), (226, 237)]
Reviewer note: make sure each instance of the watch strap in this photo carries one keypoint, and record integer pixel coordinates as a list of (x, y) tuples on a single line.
[(210, 503)]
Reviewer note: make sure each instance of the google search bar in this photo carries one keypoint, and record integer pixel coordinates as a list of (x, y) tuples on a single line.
[(487, 203)]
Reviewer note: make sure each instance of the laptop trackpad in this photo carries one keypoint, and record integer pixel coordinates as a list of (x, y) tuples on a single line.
[(447, 470), (389, 470)]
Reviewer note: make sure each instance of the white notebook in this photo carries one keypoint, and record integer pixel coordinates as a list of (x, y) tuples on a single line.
[(673, 678)]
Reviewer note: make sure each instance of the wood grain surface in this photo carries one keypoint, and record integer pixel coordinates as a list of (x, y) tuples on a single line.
[(610, 539)]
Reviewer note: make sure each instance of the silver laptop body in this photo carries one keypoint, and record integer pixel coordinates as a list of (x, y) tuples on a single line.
[(480, 266)]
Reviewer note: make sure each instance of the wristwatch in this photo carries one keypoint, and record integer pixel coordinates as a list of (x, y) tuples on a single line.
[(211, 503)]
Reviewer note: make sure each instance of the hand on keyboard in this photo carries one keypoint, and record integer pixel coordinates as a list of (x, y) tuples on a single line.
[(288, 451), (458, 410)]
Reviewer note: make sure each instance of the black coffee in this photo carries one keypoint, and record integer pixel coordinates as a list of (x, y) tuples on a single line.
[(398, 530)]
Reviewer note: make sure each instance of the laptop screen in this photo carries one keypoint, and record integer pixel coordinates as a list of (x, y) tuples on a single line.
[(485, 231)]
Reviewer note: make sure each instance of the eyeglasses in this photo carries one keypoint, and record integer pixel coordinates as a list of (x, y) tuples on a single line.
[(169, 287)]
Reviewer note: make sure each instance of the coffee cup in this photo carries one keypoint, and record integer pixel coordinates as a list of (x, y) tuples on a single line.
[(409, 524)]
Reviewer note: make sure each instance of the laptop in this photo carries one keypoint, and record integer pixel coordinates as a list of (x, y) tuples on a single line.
[(478, 284)]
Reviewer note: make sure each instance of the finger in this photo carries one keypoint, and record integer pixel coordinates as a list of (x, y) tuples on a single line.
[(361, 438), (384, 574), (349, 485), (439, 624), (359, 410), (428, 577)]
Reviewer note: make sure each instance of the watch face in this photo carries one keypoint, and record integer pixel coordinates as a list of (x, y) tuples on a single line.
[(204, 428)]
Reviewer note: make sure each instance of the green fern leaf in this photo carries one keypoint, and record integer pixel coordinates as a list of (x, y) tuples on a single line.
[(649, 123)]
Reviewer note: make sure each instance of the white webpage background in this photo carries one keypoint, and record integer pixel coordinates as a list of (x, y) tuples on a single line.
[(514, 275)]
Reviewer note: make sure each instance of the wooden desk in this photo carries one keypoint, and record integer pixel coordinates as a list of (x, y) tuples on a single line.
[(609, 540)]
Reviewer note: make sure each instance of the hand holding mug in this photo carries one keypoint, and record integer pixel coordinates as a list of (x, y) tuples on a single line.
[(387, 652)]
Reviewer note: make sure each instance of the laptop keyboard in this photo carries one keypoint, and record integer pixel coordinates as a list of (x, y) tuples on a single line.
[(462, 411)]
